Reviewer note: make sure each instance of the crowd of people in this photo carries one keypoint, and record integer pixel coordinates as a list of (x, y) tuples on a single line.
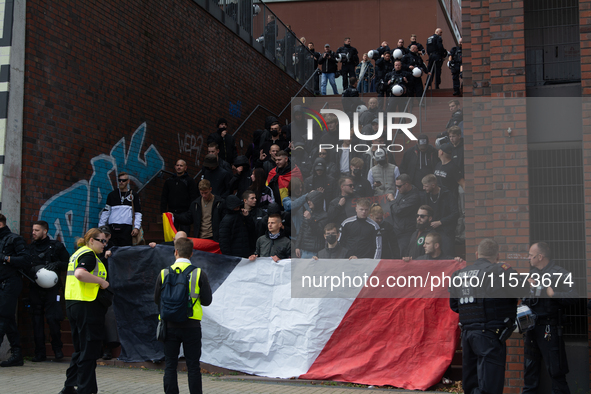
[(381, 69)]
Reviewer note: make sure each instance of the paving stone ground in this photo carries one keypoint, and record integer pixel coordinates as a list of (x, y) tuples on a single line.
[(48, 377)]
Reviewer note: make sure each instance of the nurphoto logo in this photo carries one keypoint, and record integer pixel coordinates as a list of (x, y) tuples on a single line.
[(394, 121)]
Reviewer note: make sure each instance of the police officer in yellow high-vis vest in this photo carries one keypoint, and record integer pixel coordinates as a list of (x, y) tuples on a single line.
[(86, 305), (188, 332)]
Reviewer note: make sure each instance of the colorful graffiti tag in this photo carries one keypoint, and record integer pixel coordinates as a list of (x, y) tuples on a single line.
[(71, 212)]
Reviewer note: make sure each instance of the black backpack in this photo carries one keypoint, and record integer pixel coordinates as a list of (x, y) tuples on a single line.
[(176, 304)]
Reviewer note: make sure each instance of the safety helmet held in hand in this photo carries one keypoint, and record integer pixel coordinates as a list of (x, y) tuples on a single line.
[(46, 278)]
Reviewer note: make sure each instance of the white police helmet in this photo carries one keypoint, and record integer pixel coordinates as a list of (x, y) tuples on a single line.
[(397, 90), (397, 54), (361, 109), (46, 278), (416, 72)]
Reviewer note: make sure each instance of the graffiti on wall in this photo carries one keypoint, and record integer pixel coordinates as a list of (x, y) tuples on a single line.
[(191, 144), (71, 212)]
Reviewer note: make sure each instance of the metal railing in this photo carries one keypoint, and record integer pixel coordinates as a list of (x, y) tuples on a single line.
[(423, 101), (254, 22)]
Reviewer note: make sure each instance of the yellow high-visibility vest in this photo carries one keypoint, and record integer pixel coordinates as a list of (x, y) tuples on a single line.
[(83, 291), (193, 287)]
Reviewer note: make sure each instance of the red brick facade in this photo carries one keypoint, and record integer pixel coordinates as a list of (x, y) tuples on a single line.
[(497, 188)]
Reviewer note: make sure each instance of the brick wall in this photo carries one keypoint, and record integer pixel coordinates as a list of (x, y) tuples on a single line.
[(497, 191), (156, 73)]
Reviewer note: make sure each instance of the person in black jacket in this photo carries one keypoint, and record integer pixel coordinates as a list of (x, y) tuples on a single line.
[(328, 63), (419, 161), (241, 181), (390, 249), (218, 178), (457, 114), (384, 66), (235, 230), (351, 60), (225, 141), (312, 67), (214, 149), (413, 41), (455, 65), (545, 340), (270, 35), (341, 207), (333, 249), (45, 305), (455, 138), (433, 248), (361, 234), (205, 213), (445, 211), (416, 244), (320, 180), (14, 259), (403, 208), (310, 241), (178, 192), (401, 78), (410, 61), (436, 53)]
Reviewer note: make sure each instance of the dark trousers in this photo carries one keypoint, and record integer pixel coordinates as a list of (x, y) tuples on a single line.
[(44, 305), (448, 240), (87, 323), (455, 74), (438, 64), (9, 292), (483, 362), (347, 71), (403, 241), (121, 234), (551, 349), (191, 340)]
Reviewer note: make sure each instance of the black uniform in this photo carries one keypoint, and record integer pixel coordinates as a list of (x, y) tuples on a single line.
[(545, 340), (416, 84), (420, 47), (445, 210), (455, 120), (436, 53), (484, 318), (454, 65), (402, 78), (53, 256), (11, 285), (177, 194), (348, 66)]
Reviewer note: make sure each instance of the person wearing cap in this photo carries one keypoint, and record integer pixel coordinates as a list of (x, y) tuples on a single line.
[(419, 161), (383, 175), (328, 66), (241, 180), (218, 177), (310, 239), (205, 213), (235, 230), (447, 172), (225, 141), (320, 180)]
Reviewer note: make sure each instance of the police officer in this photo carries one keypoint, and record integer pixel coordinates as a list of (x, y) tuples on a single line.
[(86, 305), (455, 65), (547, 303), (486, 318), (436, 53), (410, 61), (188, 332), (14, 258), (53, 256), (351, 61), (397, 77)]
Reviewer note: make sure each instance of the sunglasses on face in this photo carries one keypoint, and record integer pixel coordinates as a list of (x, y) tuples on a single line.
[(422, 216), (122, 180), (104, 241)]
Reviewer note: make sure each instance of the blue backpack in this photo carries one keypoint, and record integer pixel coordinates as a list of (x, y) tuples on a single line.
[(176, 304)]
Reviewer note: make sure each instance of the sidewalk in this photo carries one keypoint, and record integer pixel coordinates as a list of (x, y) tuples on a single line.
[(48, 377)]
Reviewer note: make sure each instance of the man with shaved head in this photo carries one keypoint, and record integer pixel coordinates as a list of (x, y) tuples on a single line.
[(548, 298), (436, 53), (178, 192)]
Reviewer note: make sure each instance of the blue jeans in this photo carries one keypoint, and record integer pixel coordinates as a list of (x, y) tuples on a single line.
[(329, 77), (364, 87)]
